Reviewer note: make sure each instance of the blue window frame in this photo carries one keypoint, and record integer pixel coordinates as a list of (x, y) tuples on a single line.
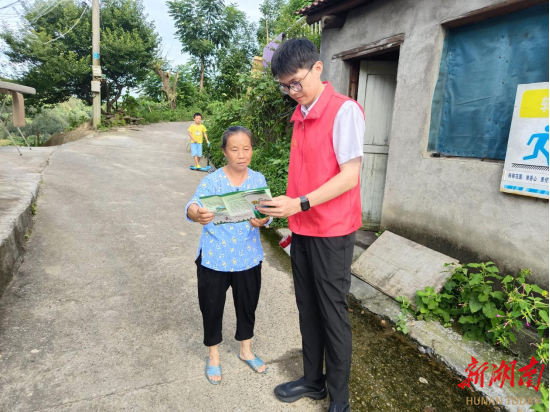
[(481, 67)]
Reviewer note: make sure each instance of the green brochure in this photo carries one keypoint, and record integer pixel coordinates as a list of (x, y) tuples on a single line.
[(236, 207)]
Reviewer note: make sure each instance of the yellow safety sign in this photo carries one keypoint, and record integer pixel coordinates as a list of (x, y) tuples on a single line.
[(534, 103)]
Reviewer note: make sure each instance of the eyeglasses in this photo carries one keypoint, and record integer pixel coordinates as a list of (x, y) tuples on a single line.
[(295, 85)]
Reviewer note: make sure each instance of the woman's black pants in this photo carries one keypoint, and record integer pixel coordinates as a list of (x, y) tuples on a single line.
[(213, 287)]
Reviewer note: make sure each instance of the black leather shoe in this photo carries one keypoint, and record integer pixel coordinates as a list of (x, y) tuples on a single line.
[(292, 391), (339, 407)]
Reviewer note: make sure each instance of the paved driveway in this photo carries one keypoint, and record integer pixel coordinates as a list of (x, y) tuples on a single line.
[(103, 314)]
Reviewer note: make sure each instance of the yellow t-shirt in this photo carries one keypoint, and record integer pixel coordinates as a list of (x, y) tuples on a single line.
[(197, 132)]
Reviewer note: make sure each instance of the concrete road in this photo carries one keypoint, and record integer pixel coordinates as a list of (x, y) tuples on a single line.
[(103, 314)]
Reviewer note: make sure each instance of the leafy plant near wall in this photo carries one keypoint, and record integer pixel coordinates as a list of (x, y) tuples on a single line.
[(544, 401), (379, 233), (483, 313), (401, 320)]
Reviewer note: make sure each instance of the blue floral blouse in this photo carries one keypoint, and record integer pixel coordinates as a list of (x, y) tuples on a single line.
[(229, 247)]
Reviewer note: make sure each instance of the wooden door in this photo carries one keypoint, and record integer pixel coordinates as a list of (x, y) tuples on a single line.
[(376, 93)]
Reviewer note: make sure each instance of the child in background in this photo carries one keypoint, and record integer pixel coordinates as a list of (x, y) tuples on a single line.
[(196, 131)]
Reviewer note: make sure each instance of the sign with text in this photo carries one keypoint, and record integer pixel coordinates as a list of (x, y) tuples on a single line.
[(526, 165)]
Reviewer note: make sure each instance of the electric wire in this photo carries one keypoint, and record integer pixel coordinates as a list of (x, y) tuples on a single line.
[(72, 27), (9, 12), (48, 8), (41, 13), (11, 4)]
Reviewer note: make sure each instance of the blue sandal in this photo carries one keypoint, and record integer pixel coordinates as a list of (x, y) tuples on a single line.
[(255, 364), (213, 371)]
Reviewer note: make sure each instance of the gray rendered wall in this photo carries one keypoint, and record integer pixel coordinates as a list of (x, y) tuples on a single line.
[(452, 205)]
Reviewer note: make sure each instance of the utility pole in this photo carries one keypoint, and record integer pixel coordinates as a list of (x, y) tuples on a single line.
[(96, 66)]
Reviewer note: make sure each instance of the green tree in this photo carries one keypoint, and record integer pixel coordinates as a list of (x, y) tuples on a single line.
[(294, 25), (56, 60), (279, 16), (202, 27), (271, 12), (236, 59), (188, 85), (169, 82), (151, 87), (128, 45)]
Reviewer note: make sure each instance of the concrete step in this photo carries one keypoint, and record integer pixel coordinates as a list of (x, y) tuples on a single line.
[(19, 184)]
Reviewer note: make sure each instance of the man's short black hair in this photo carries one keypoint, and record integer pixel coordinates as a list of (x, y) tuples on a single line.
[(293, 55), (197, 114)]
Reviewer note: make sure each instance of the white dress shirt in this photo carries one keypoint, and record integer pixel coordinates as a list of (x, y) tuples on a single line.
[(348, 130)]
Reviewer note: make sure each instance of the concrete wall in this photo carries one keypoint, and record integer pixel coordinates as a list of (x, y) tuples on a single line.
[(452, 205)]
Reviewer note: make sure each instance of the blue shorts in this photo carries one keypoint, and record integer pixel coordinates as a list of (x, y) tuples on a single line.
[(196, 149)]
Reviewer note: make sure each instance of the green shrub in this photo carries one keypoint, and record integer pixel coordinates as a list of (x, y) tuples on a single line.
[(483, 313), (75, 121), (47, 121), (154, 112), (544, 403)]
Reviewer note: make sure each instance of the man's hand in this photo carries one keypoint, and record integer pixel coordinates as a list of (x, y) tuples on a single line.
[(258, 222), (280, 206), (200, 214)]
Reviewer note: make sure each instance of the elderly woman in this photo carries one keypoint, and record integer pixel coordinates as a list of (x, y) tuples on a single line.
[(229, 254)]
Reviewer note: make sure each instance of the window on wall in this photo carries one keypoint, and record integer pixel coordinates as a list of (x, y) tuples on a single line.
[(481, 67)]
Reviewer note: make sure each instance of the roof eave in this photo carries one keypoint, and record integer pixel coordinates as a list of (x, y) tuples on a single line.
[(316, 11)]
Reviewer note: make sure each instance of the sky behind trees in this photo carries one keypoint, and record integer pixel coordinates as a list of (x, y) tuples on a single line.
[(157, 11), (164, 24)]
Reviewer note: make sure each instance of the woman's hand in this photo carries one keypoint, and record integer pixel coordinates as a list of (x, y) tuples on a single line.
[(200, 214), (258, 222), (204, 217)]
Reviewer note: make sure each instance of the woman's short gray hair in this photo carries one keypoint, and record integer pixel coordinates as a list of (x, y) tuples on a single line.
[(234, 130)]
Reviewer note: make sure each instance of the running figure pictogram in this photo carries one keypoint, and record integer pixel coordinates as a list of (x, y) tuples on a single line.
[(542, 139)]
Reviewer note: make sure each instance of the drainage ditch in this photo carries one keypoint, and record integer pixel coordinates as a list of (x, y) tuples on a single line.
[(388, 372)]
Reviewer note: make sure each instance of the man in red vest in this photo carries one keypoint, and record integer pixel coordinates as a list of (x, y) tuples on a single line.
[(323, 206)]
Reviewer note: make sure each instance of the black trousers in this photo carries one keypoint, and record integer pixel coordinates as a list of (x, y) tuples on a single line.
[(213, 287), (321, 268)]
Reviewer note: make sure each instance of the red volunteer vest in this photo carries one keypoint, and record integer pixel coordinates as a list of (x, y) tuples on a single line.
[(313, 163)]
